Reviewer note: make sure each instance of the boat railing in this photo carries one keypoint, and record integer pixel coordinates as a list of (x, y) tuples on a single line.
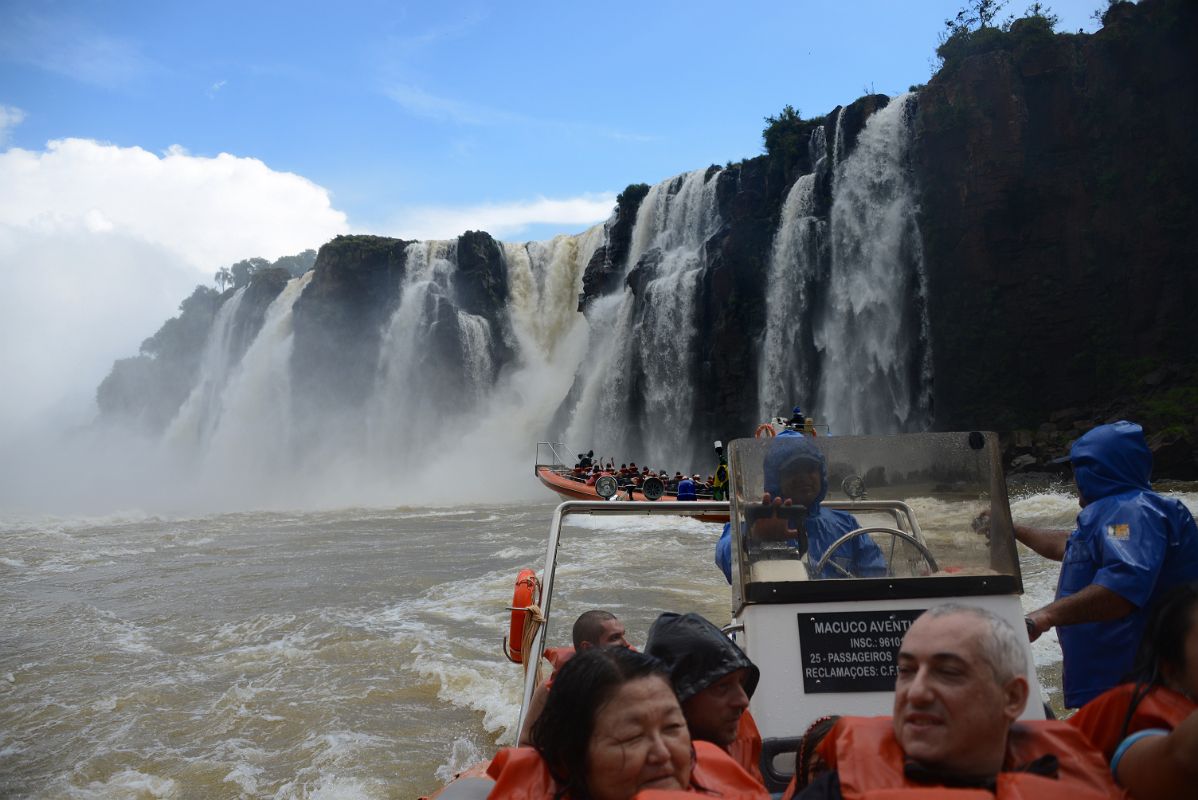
[(597, 508), (549, 454), (903, 514)]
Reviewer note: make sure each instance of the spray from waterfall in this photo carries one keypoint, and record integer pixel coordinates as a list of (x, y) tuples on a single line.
[(255, 437)]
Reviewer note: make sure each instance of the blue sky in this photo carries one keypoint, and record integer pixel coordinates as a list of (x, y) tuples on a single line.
[(143, 145), (399, 108)]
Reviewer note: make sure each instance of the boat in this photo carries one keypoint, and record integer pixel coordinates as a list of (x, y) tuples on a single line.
[(558, 477), (826, 640)]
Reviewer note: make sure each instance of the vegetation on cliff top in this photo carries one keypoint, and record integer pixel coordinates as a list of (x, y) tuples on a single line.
[(240, 273), (785, 138)]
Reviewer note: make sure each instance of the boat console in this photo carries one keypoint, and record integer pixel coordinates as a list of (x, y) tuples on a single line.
[(900, 523)]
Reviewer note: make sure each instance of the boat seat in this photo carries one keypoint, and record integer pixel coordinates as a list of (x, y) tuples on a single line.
[(779, 571)]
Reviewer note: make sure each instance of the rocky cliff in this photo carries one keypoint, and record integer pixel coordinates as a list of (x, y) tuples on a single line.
[(1057, 178)]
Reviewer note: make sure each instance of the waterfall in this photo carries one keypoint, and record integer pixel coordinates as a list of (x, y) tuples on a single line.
[(200, 412), (544, 279), (435, 359), (638, 397), (799, 248), (872, 332), (838, 141), (835, 321), (254, 437)]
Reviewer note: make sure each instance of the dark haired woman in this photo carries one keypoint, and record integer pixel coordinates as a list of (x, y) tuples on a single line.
[(808, 763), (611, 728), (1148, 728)]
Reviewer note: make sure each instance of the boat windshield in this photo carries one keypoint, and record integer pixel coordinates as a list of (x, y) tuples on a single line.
[(858, 517)]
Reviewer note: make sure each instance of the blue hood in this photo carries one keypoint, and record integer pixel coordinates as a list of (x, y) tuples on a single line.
[(1111, 459), (787, 451)]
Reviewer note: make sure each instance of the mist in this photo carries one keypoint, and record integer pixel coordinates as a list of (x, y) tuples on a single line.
[(98, 246)]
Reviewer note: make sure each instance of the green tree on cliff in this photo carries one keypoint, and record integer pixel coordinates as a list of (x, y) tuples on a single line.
[(242, 271), (976, 29)]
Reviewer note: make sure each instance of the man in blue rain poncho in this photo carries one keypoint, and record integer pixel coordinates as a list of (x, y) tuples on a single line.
[(795, 473), (1131, 546)]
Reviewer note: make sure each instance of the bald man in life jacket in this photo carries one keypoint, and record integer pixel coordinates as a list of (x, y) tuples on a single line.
[(594, 628), (960, 690)]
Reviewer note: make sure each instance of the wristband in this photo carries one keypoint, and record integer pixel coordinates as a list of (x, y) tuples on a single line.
[(1121, 750)]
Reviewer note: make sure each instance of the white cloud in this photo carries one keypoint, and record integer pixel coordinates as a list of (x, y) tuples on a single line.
[(216, 87), (210, 212), (502, 220), (99, 244), (10, 117)]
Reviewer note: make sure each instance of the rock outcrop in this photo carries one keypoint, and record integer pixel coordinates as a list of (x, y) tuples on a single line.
[(339, 320), (1059, 216)]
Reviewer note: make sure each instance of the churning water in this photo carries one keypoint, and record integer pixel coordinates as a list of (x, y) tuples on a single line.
[(340, 654)]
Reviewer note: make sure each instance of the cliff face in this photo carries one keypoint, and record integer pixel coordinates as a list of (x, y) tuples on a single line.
[(1057, 180), (339, 319)]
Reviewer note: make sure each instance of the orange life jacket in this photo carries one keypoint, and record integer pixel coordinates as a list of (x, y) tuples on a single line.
[(1101, 719), (869, 763), (520, 774), (746, 750)]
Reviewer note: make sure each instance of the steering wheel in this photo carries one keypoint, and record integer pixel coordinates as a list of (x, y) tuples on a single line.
[(818, 569)]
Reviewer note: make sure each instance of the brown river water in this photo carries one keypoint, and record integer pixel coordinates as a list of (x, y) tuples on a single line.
[(325, 655)]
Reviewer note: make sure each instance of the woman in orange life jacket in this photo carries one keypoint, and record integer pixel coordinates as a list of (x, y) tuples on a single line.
[(612, 728), (1148, 727)]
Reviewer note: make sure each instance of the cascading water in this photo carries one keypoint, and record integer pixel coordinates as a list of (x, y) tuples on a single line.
[(872, 331), (544, 279), (200, 413), (800, 247), (639, 398), (434, 361), (256, 432)]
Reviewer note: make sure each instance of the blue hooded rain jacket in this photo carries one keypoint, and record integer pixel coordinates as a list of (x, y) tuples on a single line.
[(1129, 539)]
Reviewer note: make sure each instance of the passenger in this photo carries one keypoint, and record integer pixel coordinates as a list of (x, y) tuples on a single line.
[(961, 687), (809, 427), (714, 681), (795, 472), (687, 489), (719, 486), (1131, 545), (594, 628), (612, 728), (1148, 728)]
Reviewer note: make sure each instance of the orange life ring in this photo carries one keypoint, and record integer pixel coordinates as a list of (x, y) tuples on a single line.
[(764, 431), (524, 596)]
